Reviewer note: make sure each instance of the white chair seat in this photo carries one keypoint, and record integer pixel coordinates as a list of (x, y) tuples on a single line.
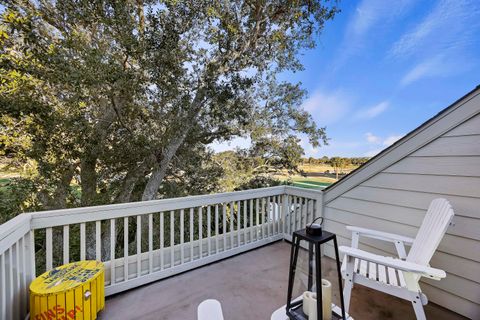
[(377, 272)]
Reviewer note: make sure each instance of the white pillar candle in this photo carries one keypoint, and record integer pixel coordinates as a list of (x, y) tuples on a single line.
[(327, 299), (310, 302), (306, 302), (312, 307)]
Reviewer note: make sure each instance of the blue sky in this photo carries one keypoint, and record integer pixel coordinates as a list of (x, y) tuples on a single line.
[(381, 68)]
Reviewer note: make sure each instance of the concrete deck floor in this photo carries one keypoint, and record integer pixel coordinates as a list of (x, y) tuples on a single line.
[(249, 286)]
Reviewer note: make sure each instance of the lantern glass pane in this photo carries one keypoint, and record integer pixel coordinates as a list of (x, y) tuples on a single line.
[(300, 284)]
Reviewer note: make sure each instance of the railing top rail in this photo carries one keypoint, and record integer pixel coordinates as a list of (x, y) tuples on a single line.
[(302, 192), (13, 224), (53, 218), (14, 229)]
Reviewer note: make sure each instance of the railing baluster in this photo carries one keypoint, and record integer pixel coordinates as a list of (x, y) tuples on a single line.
[(257, 214), (310, 204), (125, 248), (162, 262), (307, 204), (305, 209), (239, 219), (11, 293), (98, 240), (172, 239), (112, 251), (17, 280), (279, 214), (224, 226), (244, 221), (209, 233), (191, 234), (251, 220), (274, 214), (200, 235), (300, 206), (150, 243), (82, 241), (66, 244), (299, 213), (263, 217), (270, 209), (232, 213), (216, 228), (304, 213), (294, 213), (3, 288), (31, 255), (182, 240), (139, 246), (49, 258), (23, 272)]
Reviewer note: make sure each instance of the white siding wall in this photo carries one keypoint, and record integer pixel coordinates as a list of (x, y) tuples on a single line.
[(396, 199)]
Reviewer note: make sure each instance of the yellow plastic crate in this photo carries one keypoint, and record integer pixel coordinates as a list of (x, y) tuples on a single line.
[(71, 291)]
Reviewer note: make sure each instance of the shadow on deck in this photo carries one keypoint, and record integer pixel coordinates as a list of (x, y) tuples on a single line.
[(249, 286)]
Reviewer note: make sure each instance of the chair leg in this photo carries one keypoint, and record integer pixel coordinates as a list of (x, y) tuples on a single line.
[(347, 292), (418, 308), (348, 283)]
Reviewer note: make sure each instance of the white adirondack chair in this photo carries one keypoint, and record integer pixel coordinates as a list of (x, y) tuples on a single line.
[(398, 276)]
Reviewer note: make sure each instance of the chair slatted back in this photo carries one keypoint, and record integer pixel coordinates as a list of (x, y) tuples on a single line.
[(431, 232)]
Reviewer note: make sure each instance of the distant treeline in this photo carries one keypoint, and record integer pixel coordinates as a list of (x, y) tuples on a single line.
[(355, 161)]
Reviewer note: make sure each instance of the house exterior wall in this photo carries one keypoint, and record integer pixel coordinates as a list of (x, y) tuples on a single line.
[(395, 199)]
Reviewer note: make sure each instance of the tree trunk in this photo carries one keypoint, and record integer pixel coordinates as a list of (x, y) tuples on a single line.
[(131, 179), (88, 178), (59, 199), (160, 168)]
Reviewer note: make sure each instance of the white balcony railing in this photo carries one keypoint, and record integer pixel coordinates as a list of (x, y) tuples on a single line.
[(169, 236)]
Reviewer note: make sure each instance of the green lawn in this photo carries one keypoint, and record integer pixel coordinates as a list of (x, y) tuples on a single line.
[(309, 182)]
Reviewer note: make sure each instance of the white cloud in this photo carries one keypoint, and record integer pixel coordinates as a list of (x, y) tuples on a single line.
[(376, 140), (371, 138), (446, 26), (369, 14), (421, 70), (374, 111), (441, 44), (327, 108), (391, 140), (441, 65)]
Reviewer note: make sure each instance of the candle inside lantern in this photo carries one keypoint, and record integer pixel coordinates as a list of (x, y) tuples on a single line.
[(310, 302), (327, 299)]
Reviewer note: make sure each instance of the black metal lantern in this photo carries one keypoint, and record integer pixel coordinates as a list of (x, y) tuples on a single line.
[(312, 237)]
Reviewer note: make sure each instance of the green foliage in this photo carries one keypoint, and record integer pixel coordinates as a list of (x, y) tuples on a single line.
[(338, 164), (118, 101), (16, 195), (356, 161), (259, 182)]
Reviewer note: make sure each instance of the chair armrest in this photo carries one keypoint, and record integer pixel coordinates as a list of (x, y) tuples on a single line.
[(394, 263), (380, 235)]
